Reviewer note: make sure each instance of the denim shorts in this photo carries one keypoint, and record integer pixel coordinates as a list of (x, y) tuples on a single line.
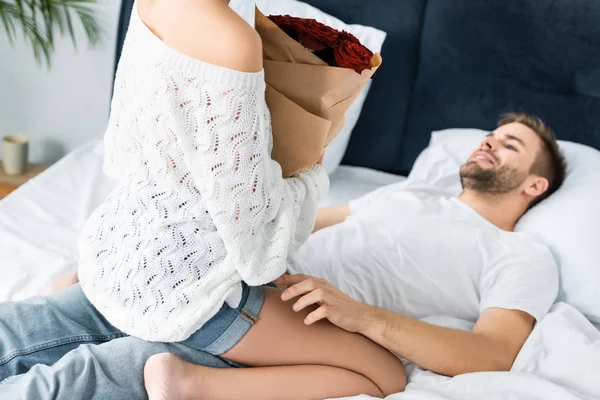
[(226, 328), (96, 358)]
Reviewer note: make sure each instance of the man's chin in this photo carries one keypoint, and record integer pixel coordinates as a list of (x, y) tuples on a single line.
[(477, 165)]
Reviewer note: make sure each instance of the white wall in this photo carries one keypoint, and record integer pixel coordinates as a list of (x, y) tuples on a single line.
[(61, 108)]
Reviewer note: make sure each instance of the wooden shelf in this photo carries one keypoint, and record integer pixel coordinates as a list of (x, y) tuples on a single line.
[(8, 183)]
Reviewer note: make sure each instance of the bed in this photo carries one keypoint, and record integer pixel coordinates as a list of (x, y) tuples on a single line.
[(41, 221), (447, 64)]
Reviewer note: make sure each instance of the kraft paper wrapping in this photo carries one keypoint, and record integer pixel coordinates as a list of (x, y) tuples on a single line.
[(306, 97)]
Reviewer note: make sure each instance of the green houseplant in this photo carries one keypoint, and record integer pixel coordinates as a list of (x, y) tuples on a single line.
[(41, 20)]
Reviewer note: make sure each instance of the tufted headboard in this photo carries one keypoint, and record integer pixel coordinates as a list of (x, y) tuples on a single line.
[(461, 63)]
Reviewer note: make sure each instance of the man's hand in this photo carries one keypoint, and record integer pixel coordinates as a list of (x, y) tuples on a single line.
[(334, 305)]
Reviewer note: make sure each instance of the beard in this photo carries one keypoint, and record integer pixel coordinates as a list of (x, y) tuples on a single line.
[(492, 180)]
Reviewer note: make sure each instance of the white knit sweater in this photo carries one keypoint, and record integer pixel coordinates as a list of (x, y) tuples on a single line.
[(199, 205)]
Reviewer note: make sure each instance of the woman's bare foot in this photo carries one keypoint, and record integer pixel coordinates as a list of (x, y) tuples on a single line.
[(63, 281), (167, 377)]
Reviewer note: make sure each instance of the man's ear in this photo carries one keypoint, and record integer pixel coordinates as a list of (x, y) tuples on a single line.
[(536, 185)]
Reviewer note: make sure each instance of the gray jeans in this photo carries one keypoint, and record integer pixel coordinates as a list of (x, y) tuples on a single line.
[(60, 347)]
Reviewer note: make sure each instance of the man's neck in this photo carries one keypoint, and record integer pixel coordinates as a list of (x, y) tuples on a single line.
[(502, 211)]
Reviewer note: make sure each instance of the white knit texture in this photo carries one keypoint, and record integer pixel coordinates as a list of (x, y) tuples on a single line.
[(199, 205)]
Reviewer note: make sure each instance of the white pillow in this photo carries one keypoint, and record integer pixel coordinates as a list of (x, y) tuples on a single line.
[(568, 221), (372, 38), (440, 162)]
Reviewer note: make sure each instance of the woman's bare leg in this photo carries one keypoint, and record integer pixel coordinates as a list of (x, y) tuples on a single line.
[(65, 280), (280, 338), (169, 377)]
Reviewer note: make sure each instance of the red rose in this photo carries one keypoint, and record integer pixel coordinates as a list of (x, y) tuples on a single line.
[(286, 23), (349, 37), (353, 55), (280, 20), (316, 36)]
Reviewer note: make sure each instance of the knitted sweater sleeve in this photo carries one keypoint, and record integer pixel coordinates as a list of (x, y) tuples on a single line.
[(224, 131)]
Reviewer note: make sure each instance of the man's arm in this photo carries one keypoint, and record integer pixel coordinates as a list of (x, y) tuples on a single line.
[(329, 216), (492, 345)]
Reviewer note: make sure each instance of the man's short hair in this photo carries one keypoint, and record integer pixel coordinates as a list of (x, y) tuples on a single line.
[(550, 163)]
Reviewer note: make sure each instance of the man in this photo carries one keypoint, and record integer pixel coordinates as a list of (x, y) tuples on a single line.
[(426, 252), (429, 253)]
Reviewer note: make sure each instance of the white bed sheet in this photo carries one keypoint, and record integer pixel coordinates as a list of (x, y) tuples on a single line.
[(40, 223)]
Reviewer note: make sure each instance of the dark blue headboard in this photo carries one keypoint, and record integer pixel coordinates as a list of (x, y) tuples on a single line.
[(461, 63)]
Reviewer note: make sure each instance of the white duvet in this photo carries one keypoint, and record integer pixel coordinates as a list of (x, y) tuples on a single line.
[(39, 226)]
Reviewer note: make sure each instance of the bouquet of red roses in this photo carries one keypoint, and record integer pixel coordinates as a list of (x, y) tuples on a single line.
[(337, 49), (313, 74)]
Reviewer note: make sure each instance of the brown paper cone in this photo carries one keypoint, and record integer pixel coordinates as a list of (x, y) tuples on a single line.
[(300, 135), (307, 98), (320, 90)]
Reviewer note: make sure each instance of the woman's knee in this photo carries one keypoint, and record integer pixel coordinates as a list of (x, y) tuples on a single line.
[(380, 366)]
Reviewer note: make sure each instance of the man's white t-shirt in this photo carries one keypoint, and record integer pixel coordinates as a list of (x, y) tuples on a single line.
[(416, 250)]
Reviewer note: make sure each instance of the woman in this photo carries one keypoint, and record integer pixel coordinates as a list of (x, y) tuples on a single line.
[(209, 48)]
